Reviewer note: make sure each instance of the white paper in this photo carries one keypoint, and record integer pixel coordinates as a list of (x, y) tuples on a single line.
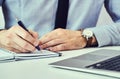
[(8, 55), (5, 55), (36, 54)]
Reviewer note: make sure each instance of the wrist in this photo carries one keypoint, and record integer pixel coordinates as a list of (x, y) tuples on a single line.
[(94, 42), (90, 38)]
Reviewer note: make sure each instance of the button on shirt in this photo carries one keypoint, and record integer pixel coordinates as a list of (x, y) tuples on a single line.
[(39, 15)]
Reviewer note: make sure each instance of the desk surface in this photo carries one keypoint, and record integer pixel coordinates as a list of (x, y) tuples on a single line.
[(39, 68)]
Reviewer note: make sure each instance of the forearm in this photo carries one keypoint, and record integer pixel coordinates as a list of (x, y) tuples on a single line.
[(107, 35)]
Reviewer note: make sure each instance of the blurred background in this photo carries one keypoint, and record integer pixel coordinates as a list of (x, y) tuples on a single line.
[(104, 18)]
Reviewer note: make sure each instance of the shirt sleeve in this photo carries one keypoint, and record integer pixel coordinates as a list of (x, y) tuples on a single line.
[(109, 34)]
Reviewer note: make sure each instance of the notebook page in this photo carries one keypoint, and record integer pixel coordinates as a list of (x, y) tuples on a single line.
[(36, 54), (5, 55)]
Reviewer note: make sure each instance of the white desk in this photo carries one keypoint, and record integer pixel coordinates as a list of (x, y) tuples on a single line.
[(39, 68)]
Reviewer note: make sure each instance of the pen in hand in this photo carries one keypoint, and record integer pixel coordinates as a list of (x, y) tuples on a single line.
[(23, 26)]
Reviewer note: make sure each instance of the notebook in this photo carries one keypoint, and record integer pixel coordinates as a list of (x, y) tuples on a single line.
[(6, 55), (102, 62)]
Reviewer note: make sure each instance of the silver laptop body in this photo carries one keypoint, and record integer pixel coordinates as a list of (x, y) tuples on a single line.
[(81, 63)]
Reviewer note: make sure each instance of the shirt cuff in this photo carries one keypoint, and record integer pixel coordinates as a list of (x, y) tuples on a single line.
[(102, 35)]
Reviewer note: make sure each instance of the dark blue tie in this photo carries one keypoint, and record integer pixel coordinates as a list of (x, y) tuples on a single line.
[(62, 14)]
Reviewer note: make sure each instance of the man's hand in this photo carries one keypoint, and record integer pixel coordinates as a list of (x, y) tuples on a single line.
[(18, 40), (62, 39)]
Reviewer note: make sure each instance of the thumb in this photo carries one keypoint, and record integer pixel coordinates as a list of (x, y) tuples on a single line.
[(34, 34)]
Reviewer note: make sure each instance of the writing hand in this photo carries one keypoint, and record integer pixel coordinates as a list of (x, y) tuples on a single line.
[(18, 40)]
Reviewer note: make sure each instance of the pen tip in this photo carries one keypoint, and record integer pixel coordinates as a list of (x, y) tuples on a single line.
[(60, 54), (38, 48)]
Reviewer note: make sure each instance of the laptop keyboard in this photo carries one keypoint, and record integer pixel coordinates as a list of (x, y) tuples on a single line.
[(109, 64)]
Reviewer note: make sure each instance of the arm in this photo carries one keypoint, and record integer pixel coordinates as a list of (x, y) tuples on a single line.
[(109, 34), (61, 39)]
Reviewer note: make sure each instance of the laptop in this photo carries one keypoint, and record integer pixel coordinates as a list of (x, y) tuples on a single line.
[(103, 62)]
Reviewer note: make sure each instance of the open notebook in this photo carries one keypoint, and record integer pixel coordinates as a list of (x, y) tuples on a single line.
[(6, 55)]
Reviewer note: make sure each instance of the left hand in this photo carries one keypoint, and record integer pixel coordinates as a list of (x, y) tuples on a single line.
[(62, 39)]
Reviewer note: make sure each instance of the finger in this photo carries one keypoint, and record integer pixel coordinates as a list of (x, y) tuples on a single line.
[(25, 35), (34, 34), (59, 47), (48, 37), (14, 50), (19, 48), (52, 43), (13, 45), (56, 34), (62, 47), (24, 44)]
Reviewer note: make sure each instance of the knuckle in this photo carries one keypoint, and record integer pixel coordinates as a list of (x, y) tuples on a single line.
[(52, 42), (8, 43), (25, 45), (11, 49), (28, 47), (44, 45), (32, 41), (60, 30), (23, 50), (9, 35), (36, 34), (32, 49), (12, 29), (59, 48), (62, 47), (25, 35)]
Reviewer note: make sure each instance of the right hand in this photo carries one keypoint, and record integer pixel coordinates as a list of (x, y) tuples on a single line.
[(18, 40)]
